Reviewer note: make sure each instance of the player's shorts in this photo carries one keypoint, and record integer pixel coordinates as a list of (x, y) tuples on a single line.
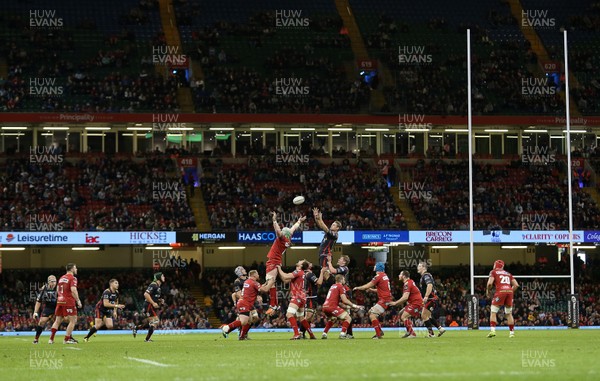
[(272, 265), (64, 310), (100, 313), (413, 310), (432, 304), (311, 304), (149, 310), (333, 312), (300, 302), (323, 260), (503, 299), (244, 308), (48, 312)]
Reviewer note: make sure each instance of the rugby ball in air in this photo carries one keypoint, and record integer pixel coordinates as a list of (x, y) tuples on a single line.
[(298, 200)]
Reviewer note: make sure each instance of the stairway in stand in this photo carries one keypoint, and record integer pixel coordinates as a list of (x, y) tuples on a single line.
[(198, 293)]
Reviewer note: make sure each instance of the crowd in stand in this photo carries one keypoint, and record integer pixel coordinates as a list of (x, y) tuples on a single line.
[(537, 303), (504, 197), (239, 197), (180, 311), (95, 193)]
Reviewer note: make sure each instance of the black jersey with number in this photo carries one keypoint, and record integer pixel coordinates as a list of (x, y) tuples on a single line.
[(112, 299), (47, 296), (154, 291), (426, 279), (326, 247), (310, 282)]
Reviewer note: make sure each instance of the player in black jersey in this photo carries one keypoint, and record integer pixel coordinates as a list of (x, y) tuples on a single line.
[(153, 299), (430, 300), (312, 283), (106, 308), (330, 238), (47, 296)]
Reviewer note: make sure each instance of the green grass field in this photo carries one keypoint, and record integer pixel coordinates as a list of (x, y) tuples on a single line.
[(458, 355)]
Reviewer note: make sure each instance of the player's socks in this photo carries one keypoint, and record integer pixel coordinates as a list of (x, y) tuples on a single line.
[(511, 327), (328, 326), (345, 325), (245, 329), (408, 325), (91, 332), (350, 329), (38, 331), (377, 327), (150, 332), (493, 326), (305, 326), (294, 324), (234, 325), (53, 332), (429, 327), (273, 297), (435, 323)]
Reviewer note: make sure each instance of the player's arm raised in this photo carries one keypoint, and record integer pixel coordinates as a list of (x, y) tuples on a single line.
[(320, 278), (332, 270), (297, 224), (276, 226), (319, 220), (285, 277), (76, 296)]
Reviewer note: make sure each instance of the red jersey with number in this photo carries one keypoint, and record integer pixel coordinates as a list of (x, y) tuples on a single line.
[(64, 294), (414, 295), (279, 247), (382, 282), (250, 292), (297, 287), (334, 296), (502, 280)]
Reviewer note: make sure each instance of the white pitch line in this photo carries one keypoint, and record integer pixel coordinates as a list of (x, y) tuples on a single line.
[(147, 361), (73, 348)]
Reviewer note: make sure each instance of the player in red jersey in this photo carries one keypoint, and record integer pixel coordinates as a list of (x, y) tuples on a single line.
[(245, 306), (297, 298), (106, 308), (380, 284), (67, 302), (275, 257), (414, 303), (329, 239), (333, 309), (505, 286)]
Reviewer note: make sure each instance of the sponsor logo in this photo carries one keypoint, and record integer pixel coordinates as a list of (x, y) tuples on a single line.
[(438, 236), (148, 237), (77, 117), (10, 237)]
